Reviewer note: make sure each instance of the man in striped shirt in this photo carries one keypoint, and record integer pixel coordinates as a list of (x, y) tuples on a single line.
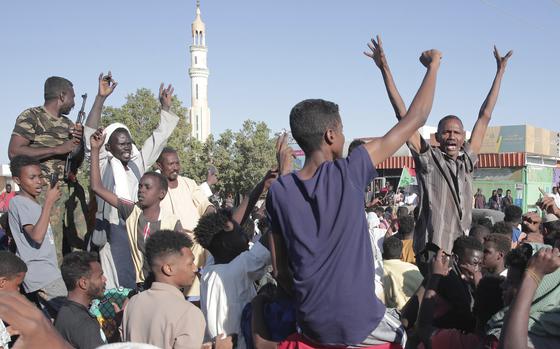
[(445, 172)]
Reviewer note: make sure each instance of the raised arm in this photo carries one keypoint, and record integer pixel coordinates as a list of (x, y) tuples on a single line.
[(96, 141), (242, 212), (152, 147), (381, 148), (489, 103), (38, 231), (378, 56), (515, 330)]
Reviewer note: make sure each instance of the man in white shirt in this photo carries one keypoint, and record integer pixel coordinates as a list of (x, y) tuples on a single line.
[(187, 201)]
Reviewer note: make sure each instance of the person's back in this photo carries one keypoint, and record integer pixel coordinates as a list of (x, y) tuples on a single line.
[(405, 234), (400, 279), (154, 314), (318, 212), (332, 199)]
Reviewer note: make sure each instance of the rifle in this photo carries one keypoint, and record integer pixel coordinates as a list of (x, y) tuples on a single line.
[(74, 159)]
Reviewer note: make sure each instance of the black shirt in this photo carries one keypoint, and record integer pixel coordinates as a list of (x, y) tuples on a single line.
[(78, 327)]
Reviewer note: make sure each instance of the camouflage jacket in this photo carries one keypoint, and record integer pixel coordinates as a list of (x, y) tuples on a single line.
[(44, 130)]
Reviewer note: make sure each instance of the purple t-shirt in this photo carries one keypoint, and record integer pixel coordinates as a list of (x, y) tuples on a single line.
[(324, 226)]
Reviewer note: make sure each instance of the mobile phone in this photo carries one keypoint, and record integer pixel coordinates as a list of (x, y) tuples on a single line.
[(53, 180)]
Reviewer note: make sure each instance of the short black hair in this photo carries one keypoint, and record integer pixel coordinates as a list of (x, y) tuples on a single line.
[(21, 161), (486, 222), (77, 265), (355, 144), (479, 231), (463, 243), (406, 224), (310, 119), (552, 232), (392, 248), (378, 209), (518, 258), (502, 228), (488, 297), (209, 226), (447, 118), (54, 86), (513, 214), (402, 211), (166, 150), (502, 242), (163, 184), (11, 265), (165, 242)]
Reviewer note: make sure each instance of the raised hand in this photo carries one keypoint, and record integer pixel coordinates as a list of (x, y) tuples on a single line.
[(53, 194), (501, 62), (430, 58), (377, 53), (269, 178), (546, 261), (77, 131), (165, 96), (548, 204), (97, 139), (106, 85), (284, 154), (440, 264)]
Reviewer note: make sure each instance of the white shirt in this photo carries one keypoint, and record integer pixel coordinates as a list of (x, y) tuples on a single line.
[(377, 236), (225, 289), (411, 199)]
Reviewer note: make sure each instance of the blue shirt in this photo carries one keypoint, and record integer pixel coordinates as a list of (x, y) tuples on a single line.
[(323, 223), (515, 235)]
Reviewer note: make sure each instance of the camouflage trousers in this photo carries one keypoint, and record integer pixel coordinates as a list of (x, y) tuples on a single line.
[(70, 218)]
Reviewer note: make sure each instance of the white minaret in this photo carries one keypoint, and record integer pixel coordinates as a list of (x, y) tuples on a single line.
[(199, 113)]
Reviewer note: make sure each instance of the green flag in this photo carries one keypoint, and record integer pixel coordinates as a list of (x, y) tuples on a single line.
[(406, 179)]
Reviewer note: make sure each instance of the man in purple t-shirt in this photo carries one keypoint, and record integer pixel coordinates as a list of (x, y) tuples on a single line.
[(319, 227)]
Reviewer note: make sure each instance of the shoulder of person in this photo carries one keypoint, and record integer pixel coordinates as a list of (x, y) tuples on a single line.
[(32, 112)]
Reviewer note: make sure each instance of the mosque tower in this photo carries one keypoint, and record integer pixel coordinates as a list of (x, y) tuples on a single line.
[(199, 113)]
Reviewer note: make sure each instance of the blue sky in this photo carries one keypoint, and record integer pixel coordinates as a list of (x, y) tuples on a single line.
[(265, 56)]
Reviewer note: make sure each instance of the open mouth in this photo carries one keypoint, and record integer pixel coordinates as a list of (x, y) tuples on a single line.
[(451, 146)]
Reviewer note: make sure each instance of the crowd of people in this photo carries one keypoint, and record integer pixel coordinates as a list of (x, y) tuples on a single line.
[(302, 262), (497, 201)]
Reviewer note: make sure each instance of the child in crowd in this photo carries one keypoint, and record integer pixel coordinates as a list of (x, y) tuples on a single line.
[(318, 213), (227, 284), (32, 233), (142, 218)]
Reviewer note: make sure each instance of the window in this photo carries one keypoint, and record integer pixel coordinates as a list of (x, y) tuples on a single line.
[(196, 91), (195, 61)]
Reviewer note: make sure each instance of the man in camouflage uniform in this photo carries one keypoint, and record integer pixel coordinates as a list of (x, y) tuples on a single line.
[(48, 135)]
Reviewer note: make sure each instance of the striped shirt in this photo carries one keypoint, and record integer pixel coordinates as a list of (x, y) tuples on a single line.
[(446, 196)]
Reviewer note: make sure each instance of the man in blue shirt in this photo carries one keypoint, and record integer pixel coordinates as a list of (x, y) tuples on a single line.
[(319, 227)]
